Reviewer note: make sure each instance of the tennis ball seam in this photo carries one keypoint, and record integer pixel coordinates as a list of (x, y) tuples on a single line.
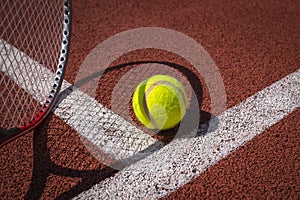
[(157, 83), (145, 107)]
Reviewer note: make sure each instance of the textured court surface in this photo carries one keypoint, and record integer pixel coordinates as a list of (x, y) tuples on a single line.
[(256, 47)]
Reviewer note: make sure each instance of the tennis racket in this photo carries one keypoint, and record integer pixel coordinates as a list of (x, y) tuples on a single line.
[(34, 45)]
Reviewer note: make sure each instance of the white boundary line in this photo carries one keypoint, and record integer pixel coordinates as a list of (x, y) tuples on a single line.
[(172, 166)]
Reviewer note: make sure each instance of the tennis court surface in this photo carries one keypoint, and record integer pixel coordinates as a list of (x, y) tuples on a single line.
[(248, 148)]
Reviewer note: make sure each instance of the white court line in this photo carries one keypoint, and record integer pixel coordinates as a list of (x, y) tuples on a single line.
[(80, 111), (172, 166)]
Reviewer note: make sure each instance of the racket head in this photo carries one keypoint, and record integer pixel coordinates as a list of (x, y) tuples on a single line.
[(34, 46)]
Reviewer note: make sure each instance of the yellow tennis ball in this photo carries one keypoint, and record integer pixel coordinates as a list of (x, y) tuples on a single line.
[(160, 102)]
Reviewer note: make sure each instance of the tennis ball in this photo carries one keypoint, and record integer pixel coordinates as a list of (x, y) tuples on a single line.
[(160, 102)]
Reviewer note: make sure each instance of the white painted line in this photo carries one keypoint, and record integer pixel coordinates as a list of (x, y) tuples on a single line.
[(174, 165), (100, 126)]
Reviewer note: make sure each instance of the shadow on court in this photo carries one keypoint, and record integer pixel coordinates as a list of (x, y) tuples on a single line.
[(43, 166)]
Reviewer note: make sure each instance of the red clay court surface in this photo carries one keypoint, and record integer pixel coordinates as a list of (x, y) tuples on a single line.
[(253, 43)]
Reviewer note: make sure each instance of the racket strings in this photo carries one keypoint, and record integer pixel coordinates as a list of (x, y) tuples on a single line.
[(17, 103), (30, 45)]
